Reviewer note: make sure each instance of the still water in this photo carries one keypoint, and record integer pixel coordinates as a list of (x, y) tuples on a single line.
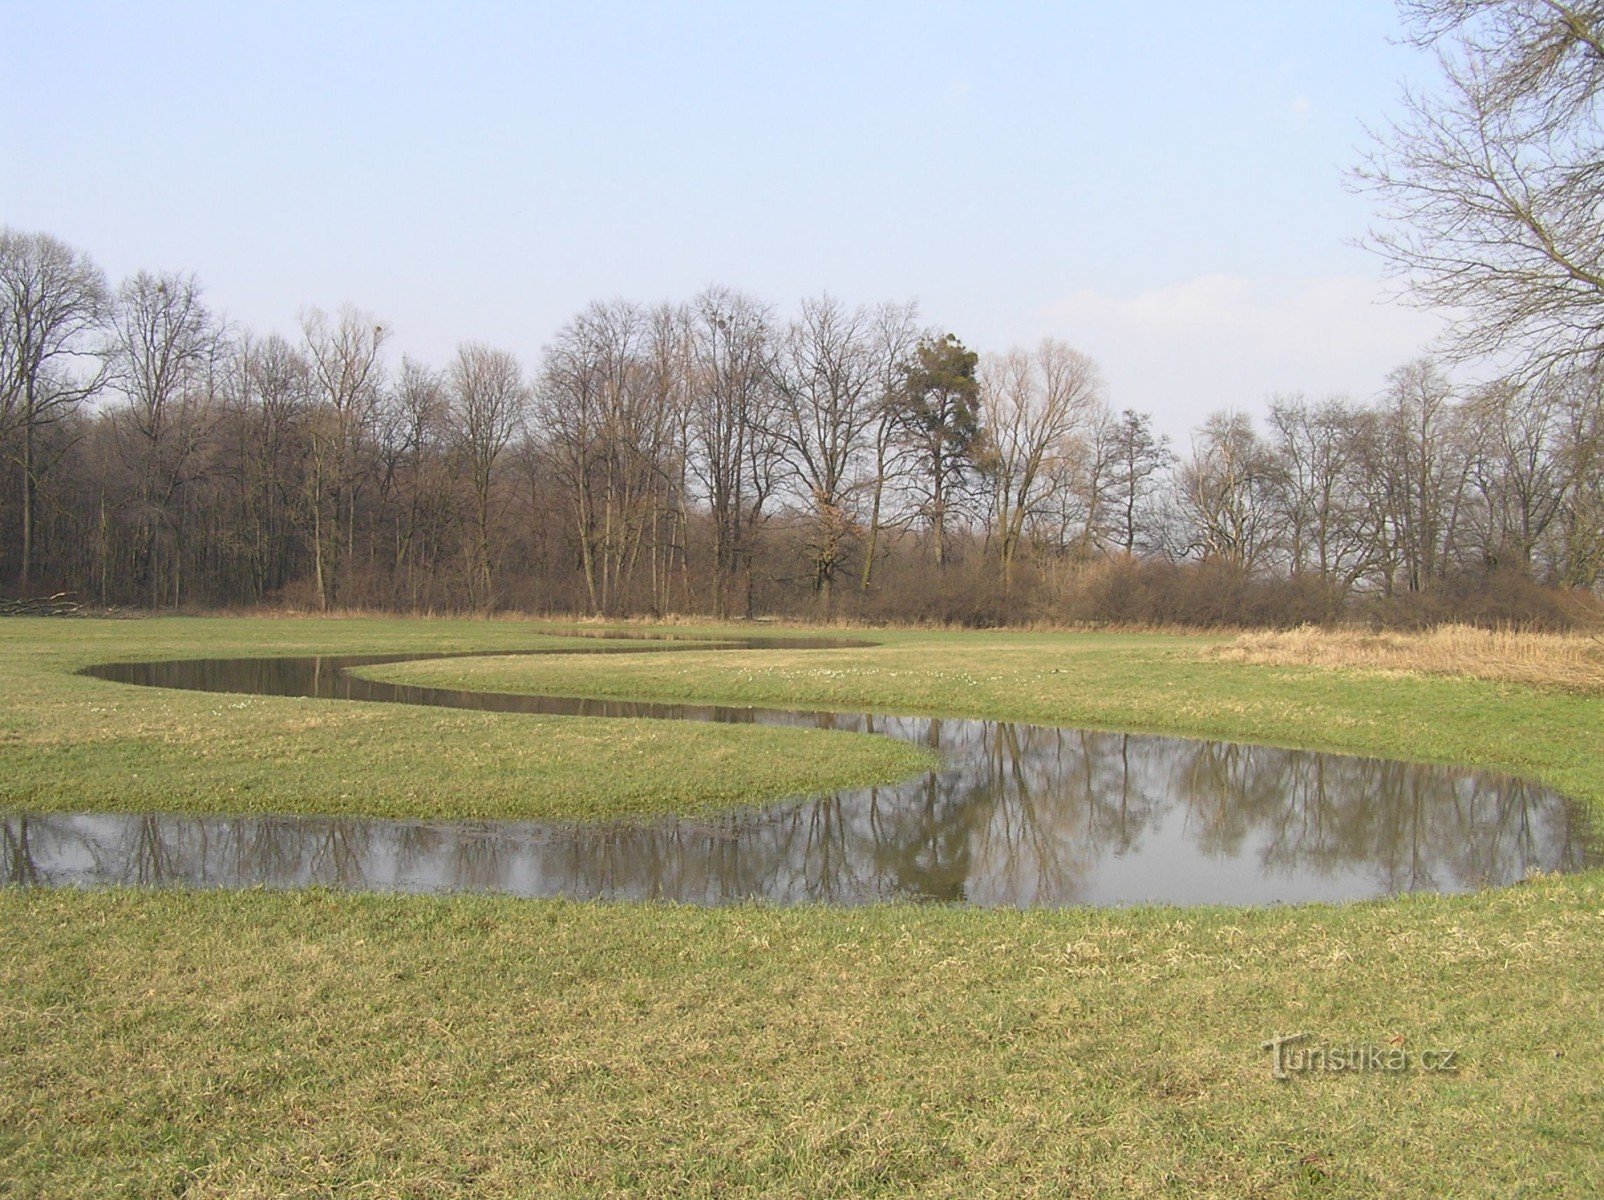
[(1018, 815)]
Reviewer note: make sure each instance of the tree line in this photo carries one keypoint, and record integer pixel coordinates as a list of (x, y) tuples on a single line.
[(718, 457)]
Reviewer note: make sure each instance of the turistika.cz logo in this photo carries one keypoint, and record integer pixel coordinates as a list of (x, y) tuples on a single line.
[(1291, 1055)]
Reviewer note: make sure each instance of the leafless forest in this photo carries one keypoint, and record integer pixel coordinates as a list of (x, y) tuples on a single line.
[(720, 456)]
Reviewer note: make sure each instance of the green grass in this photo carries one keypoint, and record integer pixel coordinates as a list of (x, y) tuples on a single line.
[(1151, 683), (69, 742), (268, 1044)]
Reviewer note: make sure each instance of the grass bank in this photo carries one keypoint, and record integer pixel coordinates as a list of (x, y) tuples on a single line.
[(1156, 683), (68, 742), (264, 1044)]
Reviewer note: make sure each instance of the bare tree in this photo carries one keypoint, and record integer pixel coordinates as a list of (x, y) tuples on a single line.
[(1515, 471), (896, 336), (1317, 448), (734, 452), (1420, 462), (609, 404), (1074, 520), (487, 408), (1579, 530), (668, 366), (1225, 490), (167, 347), (1488, 190), (827, 384), (570, 414), (1031, 405), (268, 394), (345, 355), (414, 437), (53, 300), (1139, 459)]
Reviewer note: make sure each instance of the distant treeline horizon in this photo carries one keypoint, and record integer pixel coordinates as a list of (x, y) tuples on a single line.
[(720, 457)]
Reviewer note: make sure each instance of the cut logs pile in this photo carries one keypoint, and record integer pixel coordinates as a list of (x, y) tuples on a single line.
[(61, 604)]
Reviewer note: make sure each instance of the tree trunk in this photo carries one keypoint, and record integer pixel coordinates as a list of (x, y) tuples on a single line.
[(25, 574)]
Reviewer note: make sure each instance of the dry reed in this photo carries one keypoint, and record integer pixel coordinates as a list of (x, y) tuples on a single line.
[(1573, 661)]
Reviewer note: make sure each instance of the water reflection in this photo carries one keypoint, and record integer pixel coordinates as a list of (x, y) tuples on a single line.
[(1020, 815)]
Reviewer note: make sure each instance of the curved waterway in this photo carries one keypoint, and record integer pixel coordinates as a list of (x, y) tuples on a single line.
[(1018, 815)]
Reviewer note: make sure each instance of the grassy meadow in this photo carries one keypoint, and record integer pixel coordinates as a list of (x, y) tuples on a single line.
[(70, 742), (313, 1043)]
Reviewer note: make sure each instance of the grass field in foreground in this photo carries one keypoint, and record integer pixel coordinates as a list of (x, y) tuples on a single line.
[(262, 1044), (271, 1044)]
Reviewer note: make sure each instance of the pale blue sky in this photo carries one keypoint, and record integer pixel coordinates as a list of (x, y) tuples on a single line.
[(1160, 185)]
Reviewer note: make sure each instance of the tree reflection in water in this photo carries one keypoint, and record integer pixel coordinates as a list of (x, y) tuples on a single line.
[(1020, 815)]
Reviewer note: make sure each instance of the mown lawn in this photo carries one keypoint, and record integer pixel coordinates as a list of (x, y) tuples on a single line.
[(313, 1043)]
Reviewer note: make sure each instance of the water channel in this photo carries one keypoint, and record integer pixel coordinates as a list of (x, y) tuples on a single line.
[(1018, 815)]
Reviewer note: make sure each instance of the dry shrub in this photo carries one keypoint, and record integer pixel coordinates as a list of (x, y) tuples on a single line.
[(1208, 595), (1492, 600), (1573, 661)]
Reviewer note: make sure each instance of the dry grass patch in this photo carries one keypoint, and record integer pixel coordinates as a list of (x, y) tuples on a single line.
[(1573, 661)]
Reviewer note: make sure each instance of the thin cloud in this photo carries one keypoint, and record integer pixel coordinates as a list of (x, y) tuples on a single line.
[(1188, 348)]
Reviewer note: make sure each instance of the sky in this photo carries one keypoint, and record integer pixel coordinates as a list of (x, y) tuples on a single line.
[(1162, 186)]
